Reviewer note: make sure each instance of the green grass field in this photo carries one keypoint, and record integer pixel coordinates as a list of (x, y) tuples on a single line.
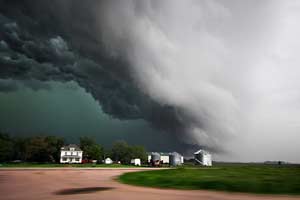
[(251, 179), (50, 165)]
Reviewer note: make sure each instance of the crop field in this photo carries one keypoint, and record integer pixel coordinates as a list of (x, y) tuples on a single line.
[(261, 179)]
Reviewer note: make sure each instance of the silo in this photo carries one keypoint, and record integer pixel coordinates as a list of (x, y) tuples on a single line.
[(199, 157), (203, 158), (155, 157), (175, 159)]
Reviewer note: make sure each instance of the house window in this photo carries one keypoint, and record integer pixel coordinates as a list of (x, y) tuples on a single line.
[(64, 159), (72, 149), (65, 153), (77, 159)]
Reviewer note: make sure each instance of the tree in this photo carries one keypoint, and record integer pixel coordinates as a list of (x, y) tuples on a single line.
[(43, 149), (138, 152), (94, 152), (54, 144), (121, 152), (6, 148), (37, 150), (85, 143), (107, 153), (20, 148)]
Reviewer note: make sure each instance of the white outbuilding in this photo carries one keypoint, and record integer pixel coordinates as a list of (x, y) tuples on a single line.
[(136, 162), (163, 157), (203, 157), (108, 161)]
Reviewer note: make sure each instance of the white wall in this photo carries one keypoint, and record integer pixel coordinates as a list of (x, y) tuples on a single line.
[(207, 160), (204, 158), (136, 162), (165, 159), (70, 153)]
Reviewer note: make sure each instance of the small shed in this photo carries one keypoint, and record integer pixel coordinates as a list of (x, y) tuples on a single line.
[(108, 161), (203, 157), (136, 162)]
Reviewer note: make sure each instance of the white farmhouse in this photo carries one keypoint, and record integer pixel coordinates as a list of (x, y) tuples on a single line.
[(203, 158), (70, 154)]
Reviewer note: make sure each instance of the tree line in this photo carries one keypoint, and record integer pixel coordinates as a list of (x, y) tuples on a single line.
[(46, 149)]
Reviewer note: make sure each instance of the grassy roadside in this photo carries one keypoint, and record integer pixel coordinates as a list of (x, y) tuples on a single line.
[(250, 179), (53, 165)]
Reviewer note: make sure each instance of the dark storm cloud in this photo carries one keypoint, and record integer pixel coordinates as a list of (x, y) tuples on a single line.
[(11, 85), (211, 73), (59, 40), (8, 85)]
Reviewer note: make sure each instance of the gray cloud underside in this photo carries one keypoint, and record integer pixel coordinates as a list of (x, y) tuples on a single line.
[(54, 40), (220, 74)]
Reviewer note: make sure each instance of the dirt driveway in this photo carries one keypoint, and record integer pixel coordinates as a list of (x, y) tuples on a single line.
[(92, 184)]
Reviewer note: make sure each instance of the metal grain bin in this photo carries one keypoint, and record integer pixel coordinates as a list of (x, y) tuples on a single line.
[(203, 157), (175, 159), (155, 156)]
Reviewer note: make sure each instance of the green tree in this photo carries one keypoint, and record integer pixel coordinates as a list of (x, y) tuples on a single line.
[(94, 152), (138, 152), (20, 148), (85, 143), (121, 152), (107, 153), (6, 148), (37, 150), (54, 144)]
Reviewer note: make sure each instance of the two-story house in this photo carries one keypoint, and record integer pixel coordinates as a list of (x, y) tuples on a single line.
[(70, 154)]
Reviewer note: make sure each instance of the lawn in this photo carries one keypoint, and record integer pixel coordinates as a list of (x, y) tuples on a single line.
[(50, 165), (251, 179)]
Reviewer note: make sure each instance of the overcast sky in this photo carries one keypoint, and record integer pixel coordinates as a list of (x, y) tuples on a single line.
[(170, 75)]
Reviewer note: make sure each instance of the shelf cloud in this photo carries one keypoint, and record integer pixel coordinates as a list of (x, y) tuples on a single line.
[(216, 74)]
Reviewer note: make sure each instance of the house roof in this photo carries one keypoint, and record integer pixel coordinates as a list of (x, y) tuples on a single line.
[(67, 147)]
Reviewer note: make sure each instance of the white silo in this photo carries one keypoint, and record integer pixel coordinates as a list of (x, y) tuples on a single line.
[(175, 159), (203, 157)]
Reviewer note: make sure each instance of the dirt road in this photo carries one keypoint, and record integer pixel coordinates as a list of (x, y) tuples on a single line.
[(92, 184)]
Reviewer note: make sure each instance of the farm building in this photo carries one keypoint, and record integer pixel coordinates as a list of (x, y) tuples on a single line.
[(163, 157), (108, 161), (175, 159), (203, 157), (70, 154), (136, 162)]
